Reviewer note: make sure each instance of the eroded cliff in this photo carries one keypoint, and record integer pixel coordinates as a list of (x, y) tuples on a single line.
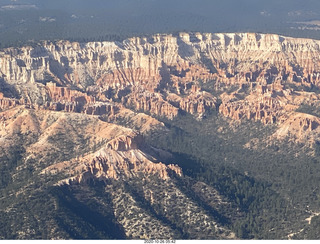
[(260, 77), (78, 113)]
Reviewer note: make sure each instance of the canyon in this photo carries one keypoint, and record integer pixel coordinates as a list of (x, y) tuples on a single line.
[(80, 113), (260, 77)]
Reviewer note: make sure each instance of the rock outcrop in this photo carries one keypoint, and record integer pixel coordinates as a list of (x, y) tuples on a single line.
[(196, 103), (111, 151), (259, 77), (7, 103), (301, 128), (120, 158), (153, 103), (244, 57)]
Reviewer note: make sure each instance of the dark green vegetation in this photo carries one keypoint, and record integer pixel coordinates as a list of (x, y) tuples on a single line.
[(59, 213), (308, 109), (271, 187), (28, 21), (312, 232), (87, 211), (33, 208), (271, 183)]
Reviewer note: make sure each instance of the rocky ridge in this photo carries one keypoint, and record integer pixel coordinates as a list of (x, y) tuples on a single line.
[(77, 114), (113, 151), (80, 152), (120, 158), (260, 77), (242, 76), (270, 75)]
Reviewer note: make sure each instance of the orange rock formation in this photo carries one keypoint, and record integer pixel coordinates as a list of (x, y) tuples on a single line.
[(258, 77)]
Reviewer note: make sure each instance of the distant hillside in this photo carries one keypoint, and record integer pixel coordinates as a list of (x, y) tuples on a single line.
[(24, 21)]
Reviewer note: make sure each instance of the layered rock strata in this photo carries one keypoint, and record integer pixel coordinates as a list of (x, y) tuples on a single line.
[(259, 77), (120, 158)]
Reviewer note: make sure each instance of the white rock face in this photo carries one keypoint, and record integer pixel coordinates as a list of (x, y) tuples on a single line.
[(77, 63), (162, 74)]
